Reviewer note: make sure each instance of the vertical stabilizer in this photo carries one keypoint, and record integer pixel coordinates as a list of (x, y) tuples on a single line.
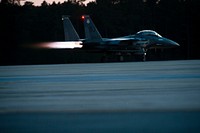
[(91, 32), (69, 31)]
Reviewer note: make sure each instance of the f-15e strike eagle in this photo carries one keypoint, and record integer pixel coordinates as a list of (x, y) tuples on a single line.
[(136, 44)]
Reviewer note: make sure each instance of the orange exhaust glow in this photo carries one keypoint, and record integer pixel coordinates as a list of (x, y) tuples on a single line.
[(58, 45)]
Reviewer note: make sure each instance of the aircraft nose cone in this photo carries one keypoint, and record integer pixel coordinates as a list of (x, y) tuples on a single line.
[(174, 44), (177, 45), (171, 43)]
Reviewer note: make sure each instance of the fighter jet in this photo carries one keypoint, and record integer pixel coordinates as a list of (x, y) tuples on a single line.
[(136, 44)]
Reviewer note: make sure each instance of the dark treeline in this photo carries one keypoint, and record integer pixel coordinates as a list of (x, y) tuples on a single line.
[(174, 19)]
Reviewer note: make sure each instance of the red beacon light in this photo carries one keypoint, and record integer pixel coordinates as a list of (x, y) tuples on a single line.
[(83, 17)]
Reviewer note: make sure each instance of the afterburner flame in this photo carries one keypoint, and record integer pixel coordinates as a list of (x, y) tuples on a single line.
[(59, 45)]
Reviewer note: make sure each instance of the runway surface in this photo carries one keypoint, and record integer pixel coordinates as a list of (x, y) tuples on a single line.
[(161, 96)]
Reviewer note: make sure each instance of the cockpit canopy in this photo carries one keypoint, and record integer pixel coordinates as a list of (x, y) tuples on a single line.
[(148, 33)]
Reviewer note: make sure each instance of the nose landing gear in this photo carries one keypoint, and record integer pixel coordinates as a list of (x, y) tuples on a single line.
[(144, 56)]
